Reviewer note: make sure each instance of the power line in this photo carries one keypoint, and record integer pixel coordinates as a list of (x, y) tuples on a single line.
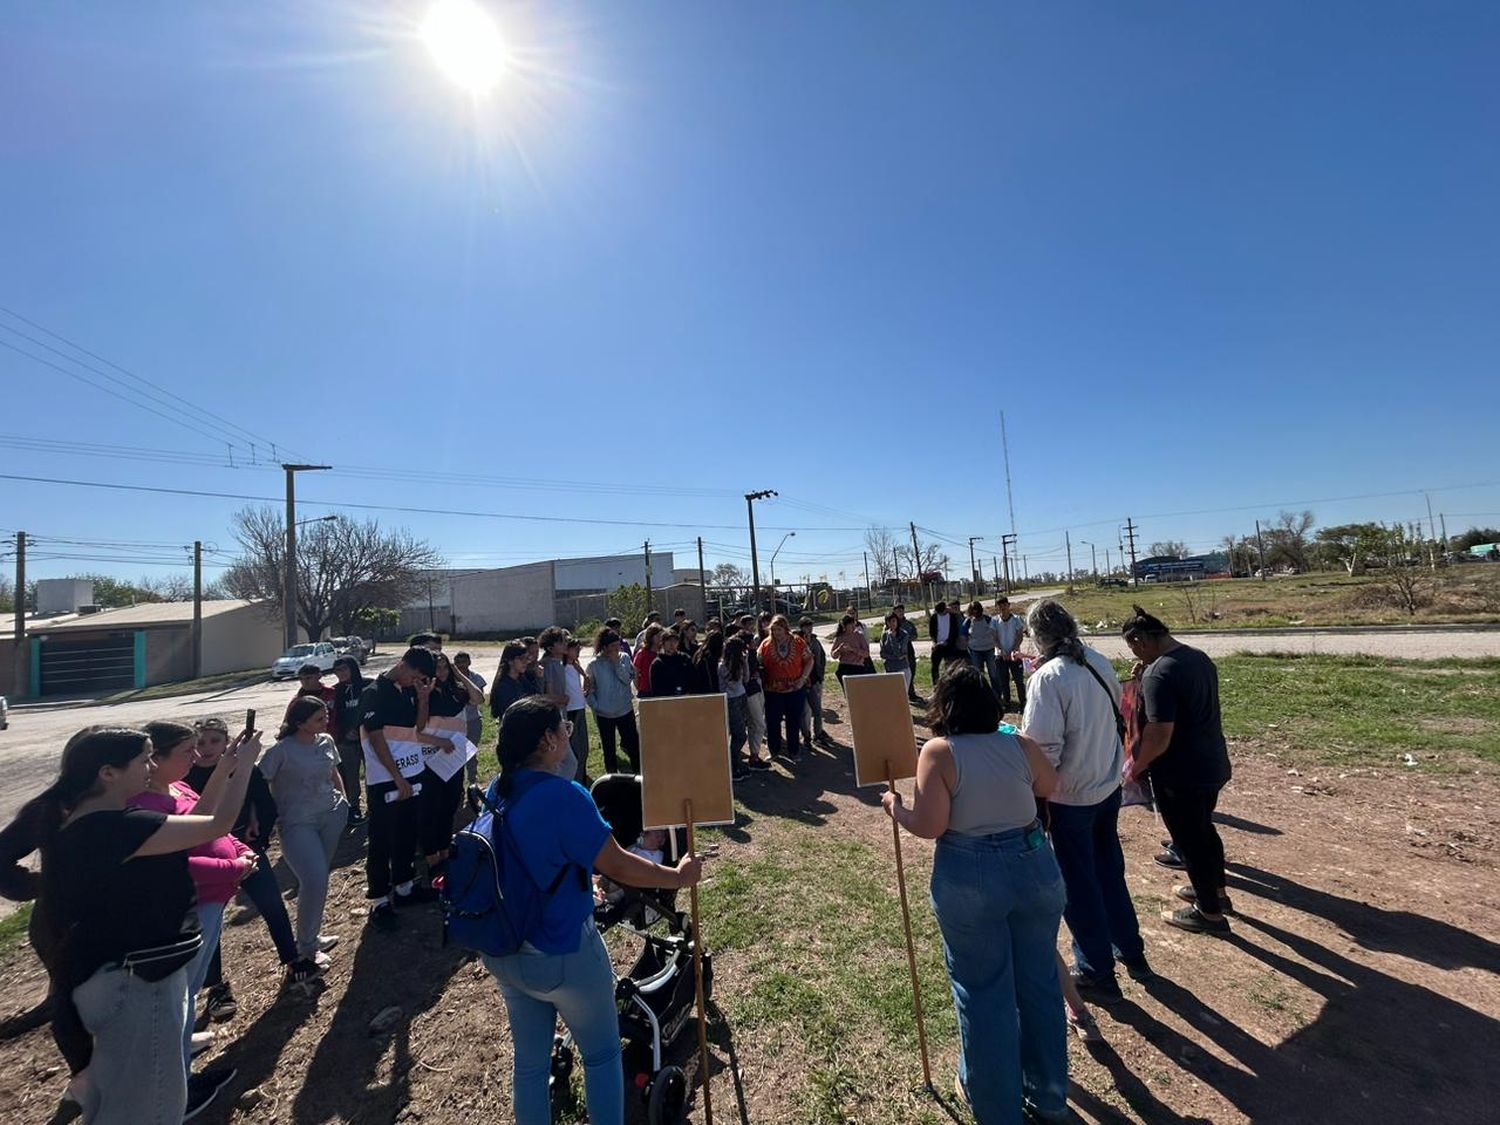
[(426, 511), (152, 387)]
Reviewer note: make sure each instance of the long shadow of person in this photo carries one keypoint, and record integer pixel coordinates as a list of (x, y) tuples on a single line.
[(1377, 1043)]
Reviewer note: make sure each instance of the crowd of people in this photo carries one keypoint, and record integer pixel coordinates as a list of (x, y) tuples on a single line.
[(148, 834)]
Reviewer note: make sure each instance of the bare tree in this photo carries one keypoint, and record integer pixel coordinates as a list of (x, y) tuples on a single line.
[(168, 588), (728, 574), (884, 552), (1171, 548), (1288, 540), (930, 559), (344, 568)]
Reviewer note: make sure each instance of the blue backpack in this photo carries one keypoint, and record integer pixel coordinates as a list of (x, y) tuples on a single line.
[(491, 904)]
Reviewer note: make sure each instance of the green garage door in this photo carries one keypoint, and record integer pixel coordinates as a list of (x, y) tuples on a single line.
[(87, 665)]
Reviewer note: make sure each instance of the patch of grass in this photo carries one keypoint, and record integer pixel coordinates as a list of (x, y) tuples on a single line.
[(1458, 595), (1351, 710), (13, 929), (227, 681)]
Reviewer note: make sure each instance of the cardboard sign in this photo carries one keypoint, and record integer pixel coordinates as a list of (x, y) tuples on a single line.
[(685, 756), (880, 716)]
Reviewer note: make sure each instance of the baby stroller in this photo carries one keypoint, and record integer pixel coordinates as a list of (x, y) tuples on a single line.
[(656, 999)]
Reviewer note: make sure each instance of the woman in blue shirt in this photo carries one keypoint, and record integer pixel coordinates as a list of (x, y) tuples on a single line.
[(563, 968)]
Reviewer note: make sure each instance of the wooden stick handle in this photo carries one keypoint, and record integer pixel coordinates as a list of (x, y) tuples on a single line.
[(911, 946), (692, 847)]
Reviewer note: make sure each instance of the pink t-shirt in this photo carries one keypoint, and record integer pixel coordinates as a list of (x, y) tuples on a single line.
[(216, 875)]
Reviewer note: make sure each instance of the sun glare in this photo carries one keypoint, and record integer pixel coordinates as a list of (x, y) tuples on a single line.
[(466, 44)]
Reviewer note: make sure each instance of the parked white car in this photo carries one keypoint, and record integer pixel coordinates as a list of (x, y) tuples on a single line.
[(322, 654), (4, 713)]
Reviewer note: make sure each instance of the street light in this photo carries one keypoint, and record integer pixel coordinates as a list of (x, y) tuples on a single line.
[(774, 553), (316, 519), (750, 498)]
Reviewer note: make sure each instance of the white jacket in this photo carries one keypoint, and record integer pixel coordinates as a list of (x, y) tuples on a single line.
[(1071, 717)]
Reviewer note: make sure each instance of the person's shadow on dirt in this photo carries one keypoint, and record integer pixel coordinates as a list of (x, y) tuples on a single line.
[(1378, 1042)]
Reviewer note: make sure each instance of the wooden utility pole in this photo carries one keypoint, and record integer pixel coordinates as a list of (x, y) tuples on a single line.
[(1068, 542), (1130, 530), (1260, 546), (869, 590), (916, 559), (702, 577), (289, 586), (1007, 545), (23, 666), (197, 608), (649, 604), (750, 499)]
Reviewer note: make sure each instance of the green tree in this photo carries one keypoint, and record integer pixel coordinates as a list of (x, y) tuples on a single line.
[(628, 603), (1354, 546), (1473, 537)]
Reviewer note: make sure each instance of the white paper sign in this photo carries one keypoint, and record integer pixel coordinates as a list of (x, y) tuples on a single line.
[(447, 761)]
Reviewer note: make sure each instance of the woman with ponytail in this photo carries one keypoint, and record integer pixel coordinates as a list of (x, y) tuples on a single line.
[(302, 769), (217, 866), (562, 968), (118, 906)]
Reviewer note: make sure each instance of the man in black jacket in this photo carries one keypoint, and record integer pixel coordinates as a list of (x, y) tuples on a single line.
[(942, 630)]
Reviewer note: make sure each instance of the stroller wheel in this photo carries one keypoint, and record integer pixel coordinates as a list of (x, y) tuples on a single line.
[(666, 1104)]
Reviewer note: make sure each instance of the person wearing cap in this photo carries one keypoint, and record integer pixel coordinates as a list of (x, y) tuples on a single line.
[(393, 711)]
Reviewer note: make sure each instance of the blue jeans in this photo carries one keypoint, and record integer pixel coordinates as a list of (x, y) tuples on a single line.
[(989, 667), (1100, 915), (136, 1076), (211, 923), (580, 987), (998, 901)]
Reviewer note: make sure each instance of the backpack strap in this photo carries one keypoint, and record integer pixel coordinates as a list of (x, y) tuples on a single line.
[(1113, 706)]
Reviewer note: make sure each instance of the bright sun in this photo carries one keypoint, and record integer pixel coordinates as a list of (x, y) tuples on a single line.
[(465, 42)]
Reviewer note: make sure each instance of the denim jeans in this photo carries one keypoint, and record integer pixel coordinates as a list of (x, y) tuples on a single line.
[(998, 901), (630, 739), (136, 1075), (1100, 915), (308, 850), (784, 713), (812, 714), (262, 889), (739, 723), (211, 923), (537, 988), (989, 667), (755, 710)]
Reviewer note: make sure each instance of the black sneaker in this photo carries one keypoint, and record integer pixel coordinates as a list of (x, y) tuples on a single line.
[(356, 818), (383, 916), (204, 1086), (1098, 990), (1138, 968), (758, 764), (303, 975), (739, 772), (1187, 894), (220, 1004), (1170, 858)]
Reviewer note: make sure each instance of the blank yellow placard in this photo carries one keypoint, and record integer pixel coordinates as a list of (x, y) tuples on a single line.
[(685, 756), (881, 718)]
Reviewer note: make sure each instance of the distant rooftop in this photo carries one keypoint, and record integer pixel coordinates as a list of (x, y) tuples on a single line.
[(135, 616)]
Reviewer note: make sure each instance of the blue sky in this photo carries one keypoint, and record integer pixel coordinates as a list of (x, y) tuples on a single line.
[(1210, 259)]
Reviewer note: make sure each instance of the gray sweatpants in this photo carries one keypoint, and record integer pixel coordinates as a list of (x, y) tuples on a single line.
[(308, 850), (136, 1076), (755, 712)]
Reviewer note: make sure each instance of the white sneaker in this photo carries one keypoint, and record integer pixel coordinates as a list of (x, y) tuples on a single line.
[(202, 1041), (327, 942), (322, 961)]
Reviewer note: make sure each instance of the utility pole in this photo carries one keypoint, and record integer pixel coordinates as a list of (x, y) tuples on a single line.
[(23, 665), (973, 566), (197, 608), (289, 588), (1093, 559), (916, 561), (869, 590), (1068, 542), (1007, 552), (1010, 496), (1108, 570), (1443, 521), (702, 577), (1025, 571), (750, 498), (649, 604), (1130, 530), (1260, 546)]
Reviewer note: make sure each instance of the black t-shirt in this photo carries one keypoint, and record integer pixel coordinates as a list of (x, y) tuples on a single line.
[(347, 701), (671, 674), (105, 907), (382, 704), (1182, 688), (257, 797), (447, 700)]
